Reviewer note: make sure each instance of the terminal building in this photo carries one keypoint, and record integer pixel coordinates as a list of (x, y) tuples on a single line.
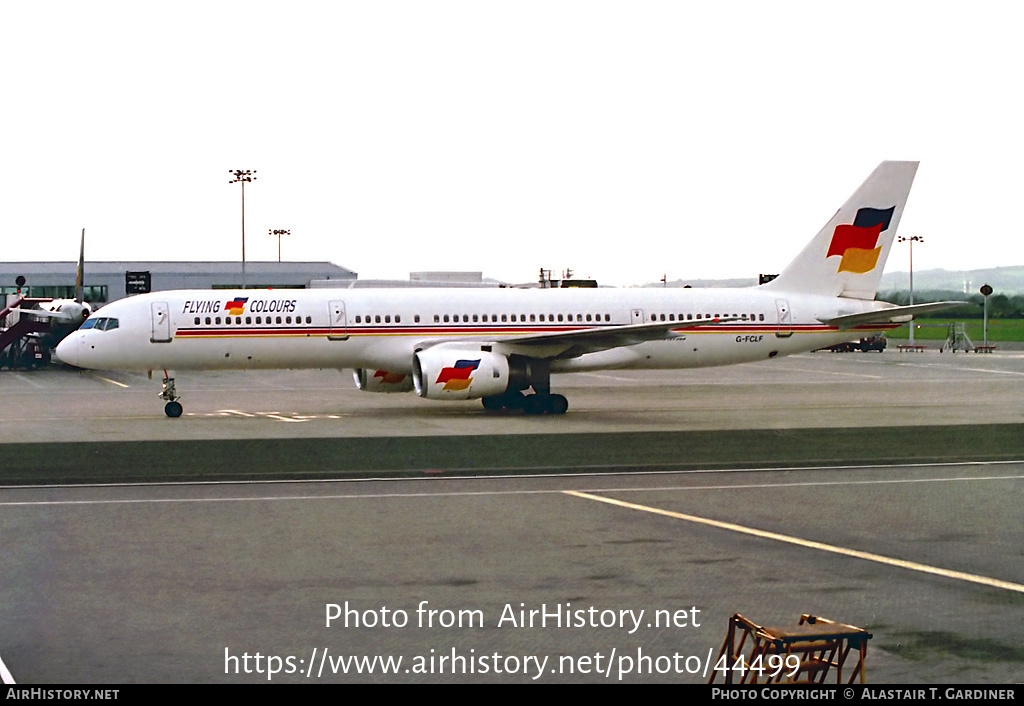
[(105, 282)]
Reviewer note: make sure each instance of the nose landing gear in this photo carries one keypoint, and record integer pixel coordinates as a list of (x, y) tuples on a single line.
[(173, 408)]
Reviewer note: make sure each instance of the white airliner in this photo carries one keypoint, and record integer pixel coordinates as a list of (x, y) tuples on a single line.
[(495, 344)]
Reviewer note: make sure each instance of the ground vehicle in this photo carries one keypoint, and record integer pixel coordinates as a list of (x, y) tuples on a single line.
[(869, 343)]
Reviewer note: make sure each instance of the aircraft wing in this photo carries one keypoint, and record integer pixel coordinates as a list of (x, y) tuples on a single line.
[(44, 314), (896, 314), (571, 344)]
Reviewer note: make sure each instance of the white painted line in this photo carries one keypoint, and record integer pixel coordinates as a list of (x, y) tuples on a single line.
[(811, 371), (821, 546), (5, 674)]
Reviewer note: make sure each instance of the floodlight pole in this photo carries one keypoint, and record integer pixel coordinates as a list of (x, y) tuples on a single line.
[(279, 232), (242, 176), (911, 239)]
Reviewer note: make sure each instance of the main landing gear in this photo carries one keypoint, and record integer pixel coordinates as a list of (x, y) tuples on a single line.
[(531, 404), (173, 408), (532, 373)]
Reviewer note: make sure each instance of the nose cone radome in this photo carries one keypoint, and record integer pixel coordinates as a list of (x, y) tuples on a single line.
[(68, 350)]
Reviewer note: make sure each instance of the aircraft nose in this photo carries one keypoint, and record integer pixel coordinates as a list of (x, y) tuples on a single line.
[(68, 349)]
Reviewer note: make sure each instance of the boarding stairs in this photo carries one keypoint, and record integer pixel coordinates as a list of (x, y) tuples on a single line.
[(957, 339), (805, 653), (15, 328)]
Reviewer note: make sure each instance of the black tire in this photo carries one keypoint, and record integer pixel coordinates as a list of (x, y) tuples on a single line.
[(536, 404), (493, 403), (173, 409), (557, 404)]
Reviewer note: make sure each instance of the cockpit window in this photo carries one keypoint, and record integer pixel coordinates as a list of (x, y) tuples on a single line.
[(102, 323)]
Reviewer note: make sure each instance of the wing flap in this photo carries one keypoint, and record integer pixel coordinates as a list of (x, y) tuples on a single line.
[(572, 344)]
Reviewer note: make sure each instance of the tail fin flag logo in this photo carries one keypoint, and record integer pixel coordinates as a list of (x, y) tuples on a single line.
[(236, 307), (857, 244), (457, 377)]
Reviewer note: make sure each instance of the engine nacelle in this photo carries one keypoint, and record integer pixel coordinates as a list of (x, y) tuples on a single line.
[(441, 373), (381, 380)]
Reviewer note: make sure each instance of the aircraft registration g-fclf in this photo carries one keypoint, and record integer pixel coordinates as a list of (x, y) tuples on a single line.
[(497, 344)]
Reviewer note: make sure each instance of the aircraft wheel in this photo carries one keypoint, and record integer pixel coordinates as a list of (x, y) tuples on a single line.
[(173, 409), (513, 400), (557, 404), (536, 404), (493, 403)]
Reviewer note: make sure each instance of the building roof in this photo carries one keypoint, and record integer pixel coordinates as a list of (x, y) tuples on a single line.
[(314, 269)]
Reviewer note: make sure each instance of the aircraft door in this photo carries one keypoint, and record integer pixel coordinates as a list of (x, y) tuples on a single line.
[(161, 318), (636, 316), (339, 323), (785, 319)]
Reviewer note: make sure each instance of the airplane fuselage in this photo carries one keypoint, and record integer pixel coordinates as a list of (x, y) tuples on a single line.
[(382, 328)]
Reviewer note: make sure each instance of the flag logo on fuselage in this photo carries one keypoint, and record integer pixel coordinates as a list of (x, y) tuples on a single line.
[(857, 244), (457, 377), (236, 307)]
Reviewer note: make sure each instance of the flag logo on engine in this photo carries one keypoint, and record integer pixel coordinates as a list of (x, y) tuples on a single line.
[(458, 376)]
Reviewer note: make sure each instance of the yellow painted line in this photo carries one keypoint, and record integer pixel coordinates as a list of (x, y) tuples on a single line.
[(868, 556), (112, 382)]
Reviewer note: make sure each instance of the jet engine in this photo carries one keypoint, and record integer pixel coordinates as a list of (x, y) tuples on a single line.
[(441, 373), (381, 380)]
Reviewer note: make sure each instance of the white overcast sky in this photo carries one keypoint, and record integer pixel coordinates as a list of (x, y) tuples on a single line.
[(625, 140)]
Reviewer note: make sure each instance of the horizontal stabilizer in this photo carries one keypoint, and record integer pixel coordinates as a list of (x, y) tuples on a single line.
[(896, 314)]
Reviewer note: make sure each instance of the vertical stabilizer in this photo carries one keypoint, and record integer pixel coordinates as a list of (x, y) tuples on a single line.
[(847, 256), (80, 277)]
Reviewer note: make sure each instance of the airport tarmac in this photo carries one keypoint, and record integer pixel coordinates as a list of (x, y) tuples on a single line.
[(813, 390), (917, 539)]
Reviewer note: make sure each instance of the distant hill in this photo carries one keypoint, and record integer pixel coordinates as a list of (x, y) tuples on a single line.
[(1003, 280)]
